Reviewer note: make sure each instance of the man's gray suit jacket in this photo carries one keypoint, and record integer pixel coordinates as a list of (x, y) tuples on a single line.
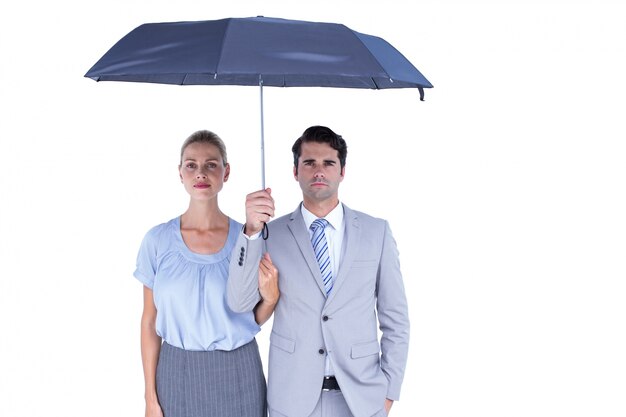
[(368, 294)]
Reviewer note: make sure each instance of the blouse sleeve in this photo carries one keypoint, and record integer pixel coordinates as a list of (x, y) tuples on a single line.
[(147, 258)]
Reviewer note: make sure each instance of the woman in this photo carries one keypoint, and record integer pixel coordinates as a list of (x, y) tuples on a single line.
[(199, 358)]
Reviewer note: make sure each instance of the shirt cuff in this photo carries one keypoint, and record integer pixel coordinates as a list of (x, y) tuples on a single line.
[(253, 237)]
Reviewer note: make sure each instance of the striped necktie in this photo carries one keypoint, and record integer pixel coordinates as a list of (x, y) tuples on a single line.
[(320, 247)]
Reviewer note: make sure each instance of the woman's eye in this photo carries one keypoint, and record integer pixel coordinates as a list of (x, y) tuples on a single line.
[(191, 165)]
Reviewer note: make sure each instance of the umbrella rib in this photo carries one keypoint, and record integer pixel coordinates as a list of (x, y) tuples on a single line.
[(219, 59), (373, 58)]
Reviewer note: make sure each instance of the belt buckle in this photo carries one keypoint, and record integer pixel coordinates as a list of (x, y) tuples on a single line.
[(327, 378)]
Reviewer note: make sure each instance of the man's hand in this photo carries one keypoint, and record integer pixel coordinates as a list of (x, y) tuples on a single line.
[(388, 404), (259, 210)]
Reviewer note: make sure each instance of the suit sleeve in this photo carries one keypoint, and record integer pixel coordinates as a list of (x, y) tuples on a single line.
[(242, 291), (393, 316)]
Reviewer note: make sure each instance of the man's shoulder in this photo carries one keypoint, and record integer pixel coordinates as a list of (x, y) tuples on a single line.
[(362, 216), (282, 220), (287, 217)]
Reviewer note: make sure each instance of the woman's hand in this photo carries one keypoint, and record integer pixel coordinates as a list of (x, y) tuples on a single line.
[(268, 288), (153, 409), (268, 280)]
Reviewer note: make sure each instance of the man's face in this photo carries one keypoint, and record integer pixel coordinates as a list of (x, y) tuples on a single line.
[(319, 173)]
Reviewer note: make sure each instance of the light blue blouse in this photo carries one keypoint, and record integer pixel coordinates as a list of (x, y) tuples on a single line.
[(189, 291)]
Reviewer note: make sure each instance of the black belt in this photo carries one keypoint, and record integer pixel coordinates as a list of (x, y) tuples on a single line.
[(330, 383)]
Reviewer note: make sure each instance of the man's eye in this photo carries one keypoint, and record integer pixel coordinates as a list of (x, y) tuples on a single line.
[(191, 165)]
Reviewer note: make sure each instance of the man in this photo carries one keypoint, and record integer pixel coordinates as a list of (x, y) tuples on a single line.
[(338, 284)]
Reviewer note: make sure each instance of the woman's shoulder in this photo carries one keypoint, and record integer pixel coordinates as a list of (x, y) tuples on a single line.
[(234, 223), (161, 230), (234, 228)]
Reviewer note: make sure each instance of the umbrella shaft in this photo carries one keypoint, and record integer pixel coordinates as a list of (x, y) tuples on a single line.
[(262, 136)]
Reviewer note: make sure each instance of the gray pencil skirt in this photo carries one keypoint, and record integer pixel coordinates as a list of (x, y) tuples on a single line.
[(211, 384)]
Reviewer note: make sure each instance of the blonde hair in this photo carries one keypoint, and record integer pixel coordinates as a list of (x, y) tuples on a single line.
[(205, 136)]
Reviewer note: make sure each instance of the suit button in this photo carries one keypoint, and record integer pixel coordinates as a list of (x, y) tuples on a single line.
[(240, 263), (325, 318), (321, 351), (242, 250)]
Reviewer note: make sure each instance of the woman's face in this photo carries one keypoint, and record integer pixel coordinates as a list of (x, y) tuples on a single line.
[(202, 170)]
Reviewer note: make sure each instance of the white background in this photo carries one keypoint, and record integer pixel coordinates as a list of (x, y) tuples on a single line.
[(505, 190)]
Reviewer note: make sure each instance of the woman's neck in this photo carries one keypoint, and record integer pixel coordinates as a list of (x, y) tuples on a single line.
[(203, 216)]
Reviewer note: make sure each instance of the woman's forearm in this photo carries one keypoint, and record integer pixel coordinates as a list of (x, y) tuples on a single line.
[(263, 311), (150, 346)]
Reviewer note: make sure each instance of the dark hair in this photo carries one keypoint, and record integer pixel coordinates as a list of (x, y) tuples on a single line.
[(205, 136), (320, 134)]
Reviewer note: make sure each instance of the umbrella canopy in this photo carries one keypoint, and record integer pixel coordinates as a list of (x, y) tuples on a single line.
[(257, 51), (241, 51)]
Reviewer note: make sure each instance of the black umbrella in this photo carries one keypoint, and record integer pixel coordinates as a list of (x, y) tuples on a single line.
[(257, 51)]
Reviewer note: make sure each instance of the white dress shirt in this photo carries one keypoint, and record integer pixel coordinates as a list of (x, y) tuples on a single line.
[(334, 237), (334, 233)]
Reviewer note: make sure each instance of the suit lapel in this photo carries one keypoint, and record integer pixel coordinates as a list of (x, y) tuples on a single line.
[(301, 235)]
